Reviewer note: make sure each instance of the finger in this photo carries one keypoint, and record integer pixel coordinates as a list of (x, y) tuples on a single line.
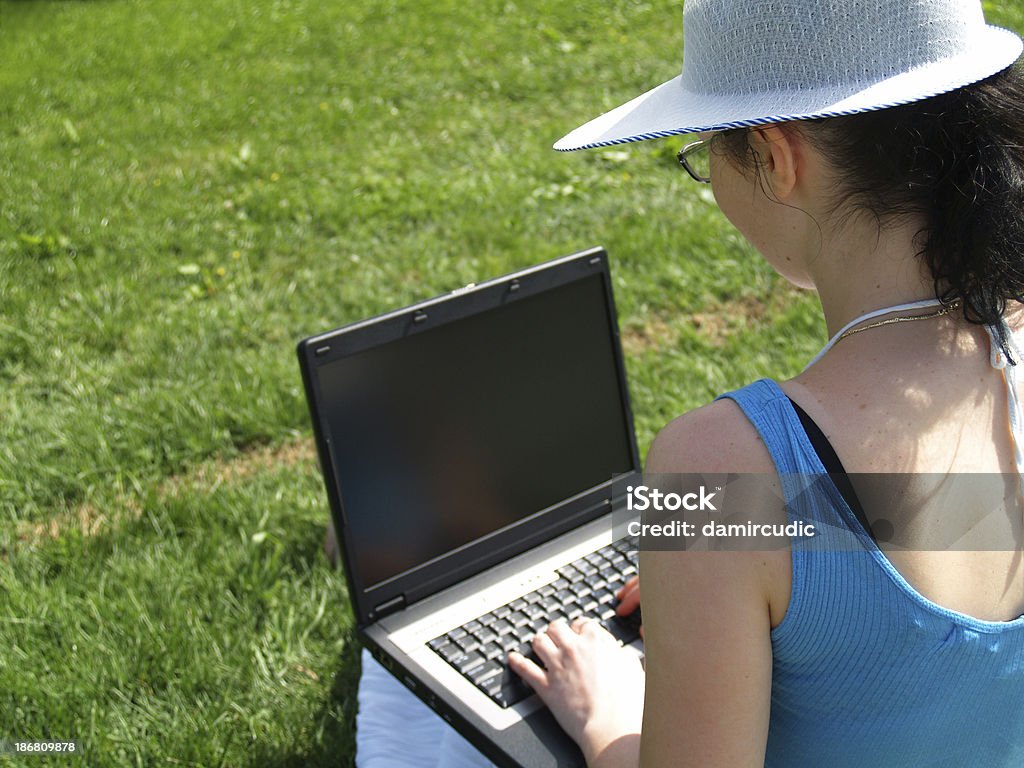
[(629, 602), (630, 591), (632, 584), (559, 632), (592, 628), (579, 624), (532, 675), (545, 648)]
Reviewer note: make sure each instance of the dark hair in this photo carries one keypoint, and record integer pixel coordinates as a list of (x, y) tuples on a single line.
[(957, 159)]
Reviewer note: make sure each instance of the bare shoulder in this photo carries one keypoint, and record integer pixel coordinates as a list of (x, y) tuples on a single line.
[(708, 615), (717, 437)]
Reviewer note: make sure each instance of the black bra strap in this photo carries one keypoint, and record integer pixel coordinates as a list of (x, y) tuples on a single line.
[(834, 467)]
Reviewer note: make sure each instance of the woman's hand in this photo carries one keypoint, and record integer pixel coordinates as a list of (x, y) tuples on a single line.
[(593, 686)]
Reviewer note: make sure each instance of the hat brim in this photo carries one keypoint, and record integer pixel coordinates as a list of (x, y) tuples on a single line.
[(670, 109)]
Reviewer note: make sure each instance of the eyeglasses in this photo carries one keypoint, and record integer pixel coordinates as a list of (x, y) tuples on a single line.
[(696, 159)]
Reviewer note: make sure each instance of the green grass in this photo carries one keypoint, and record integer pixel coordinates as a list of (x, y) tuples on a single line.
[(186, 189)]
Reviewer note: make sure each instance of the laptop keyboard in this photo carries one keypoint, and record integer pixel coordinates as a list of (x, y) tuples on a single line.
[(585, 587)]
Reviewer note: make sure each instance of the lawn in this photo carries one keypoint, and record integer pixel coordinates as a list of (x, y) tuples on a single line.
[(186, 189)]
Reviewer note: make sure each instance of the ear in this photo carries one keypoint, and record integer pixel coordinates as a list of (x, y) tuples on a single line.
[(778, 153)]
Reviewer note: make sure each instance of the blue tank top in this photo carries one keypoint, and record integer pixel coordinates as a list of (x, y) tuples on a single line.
[(867, 672)]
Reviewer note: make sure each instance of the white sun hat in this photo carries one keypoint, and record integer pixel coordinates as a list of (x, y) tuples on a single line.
[(752, 62)]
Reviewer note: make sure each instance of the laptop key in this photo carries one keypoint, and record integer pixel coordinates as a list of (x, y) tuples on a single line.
[(491, 685), (502, 612), (596, 581), (471, 662), (451, 653), (512, 692), (503, 626), (534, 611), (486, 635), (620, 631), (510, 641), (581, 589), (524, 633), (550, 604), (493, 650), (570, 573), (493, 682), (526, 649), (518, 618), (489, 669), (547, 590)]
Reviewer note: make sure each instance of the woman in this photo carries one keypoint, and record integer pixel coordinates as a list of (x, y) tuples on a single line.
[(909, 223)]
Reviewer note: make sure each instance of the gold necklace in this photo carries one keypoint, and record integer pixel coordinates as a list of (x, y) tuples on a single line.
[(892, 320)]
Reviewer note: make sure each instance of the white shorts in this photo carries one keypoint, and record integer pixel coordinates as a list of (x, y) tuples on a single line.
[(394, 729)]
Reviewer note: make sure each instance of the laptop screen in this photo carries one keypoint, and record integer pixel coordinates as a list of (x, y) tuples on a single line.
[(445, 436)]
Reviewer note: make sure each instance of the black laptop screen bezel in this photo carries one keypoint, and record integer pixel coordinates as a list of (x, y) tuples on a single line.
[(370, 602)]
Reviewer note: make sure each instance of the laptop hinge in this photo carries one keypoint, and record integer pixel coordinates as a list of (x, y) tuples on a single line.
[(390, 606)]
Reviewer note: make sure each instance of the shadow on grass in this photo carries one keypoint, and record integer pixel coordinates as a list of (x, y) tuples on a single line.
[(334, 725)]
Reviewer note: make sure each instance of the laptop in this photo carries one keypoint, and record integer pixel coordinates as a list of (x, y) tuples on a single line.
[(474, 447)]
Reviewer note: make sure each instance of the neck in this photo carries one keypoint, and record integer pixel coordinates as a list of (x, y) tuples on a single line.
[(862, 268)]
